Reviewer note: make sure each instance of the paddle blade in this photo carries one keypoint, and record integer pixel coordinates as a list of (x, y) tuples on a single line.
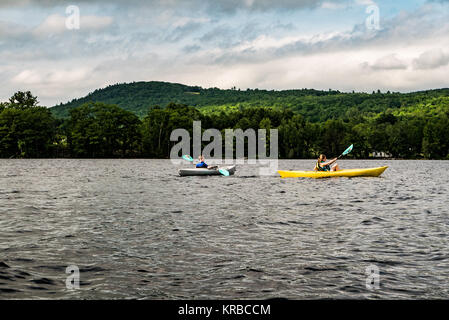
[(224, 172), (348, 150), (187, 157)]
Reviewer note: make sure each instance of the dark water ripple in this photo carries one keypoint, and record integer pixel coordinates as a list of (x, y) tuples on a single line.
[(137, 230)]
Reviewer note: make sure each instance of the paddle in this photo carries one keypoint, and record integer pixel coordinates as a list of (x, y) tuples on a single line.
[(222, 171), (346, 151)]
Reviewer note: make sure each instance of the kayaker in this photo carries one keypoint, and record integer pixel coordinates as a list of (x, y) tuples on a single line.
[(201, 164), (322, 165)]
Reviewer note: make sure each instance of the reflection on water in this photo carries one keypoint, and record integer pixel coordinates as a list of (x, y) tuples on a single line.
[(137, 230)]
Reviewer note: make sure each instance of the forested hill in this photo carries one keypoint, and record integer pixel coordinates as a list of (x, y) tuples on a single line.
[(138, 96), (314, 105)]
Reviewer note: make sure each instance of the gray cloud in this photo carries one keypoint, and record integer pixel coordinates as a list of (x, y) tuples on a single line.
[(12, 31), (399, 29), (191, 48), (222, 43), (227, 36), (225, 6), (183, 31)]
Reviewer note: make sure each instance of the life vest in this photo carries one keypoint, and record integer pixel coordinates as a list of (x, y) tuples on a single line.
[(318, 167), (202, 164)]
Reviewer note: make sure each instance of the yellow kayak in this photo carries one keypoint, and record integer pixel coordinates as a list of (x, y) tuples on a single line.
[(371, 172)]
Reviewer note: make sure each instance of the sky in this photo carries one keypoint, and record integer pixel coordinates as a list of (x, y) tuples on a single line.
[(346, 45)]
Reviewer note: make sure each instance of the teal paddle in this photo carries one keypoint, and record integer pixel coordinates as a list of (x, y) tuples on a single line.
[(187, 157), (222, 171), (346, 151)]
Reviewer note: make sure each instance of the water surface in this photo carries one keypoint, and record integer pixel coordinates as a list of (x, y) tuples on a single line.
[(137, 230)]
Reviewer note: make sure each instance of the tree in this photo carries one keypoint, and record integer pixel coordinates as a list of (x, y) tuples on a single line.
[(386, 118), (101, 130), (23, 100), (333, 135), (436, 138), (26, 130), (3, 106), (294, 137), (157, 126), (359, 136)]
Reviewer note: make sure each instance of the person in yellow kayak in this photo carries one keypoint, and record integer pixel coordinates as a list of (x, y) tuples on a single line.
[(322, 165)]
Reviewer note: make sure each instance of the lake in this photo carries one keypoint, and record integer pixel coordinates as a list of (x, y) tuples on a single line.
[(135, 229)]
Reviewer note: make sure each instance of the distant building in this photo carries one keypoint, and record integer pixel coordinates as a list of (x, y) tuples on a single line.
[(380, 154)]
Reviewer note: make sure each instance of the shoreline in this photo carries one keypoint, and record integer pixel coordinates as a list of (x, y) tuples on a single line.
[(311, 159)]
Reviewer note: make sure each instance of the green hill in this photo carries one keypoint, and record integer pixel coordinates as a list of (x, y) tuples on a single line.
[(314, 105), (139, 96)]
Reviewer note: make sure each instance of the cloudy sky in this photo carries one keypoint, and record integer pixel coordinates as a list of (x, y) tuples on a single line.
[(266, 44)]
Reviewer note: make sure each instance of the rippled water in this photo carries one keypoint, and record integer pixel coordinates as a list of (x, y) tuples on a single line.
[(137, 230)]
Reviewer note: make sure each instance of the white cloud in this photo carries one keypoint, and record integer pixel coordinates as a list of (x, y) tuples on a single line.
[(431, 59), (343, 4), (365, 2), (56, 24), (27, 77), (388, 62), (333, 5), (53, 83), (41, 77)]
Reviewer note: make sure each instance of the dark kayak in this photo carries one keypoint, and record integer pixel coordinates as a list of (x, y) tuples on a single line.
[(205, 171)]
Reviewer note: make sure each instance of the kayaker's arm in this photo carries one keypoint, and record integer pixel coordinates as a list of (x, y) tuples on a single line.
[(329, 163)]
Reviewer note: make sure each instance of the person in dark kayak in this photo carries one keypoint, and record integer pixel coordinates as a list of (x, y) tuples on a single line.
[(201, 164), (322, 165)]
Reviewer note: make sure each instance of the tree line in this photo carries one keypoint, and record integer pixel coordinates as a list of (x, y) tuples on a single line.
[(314, 105), (99, 130)]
